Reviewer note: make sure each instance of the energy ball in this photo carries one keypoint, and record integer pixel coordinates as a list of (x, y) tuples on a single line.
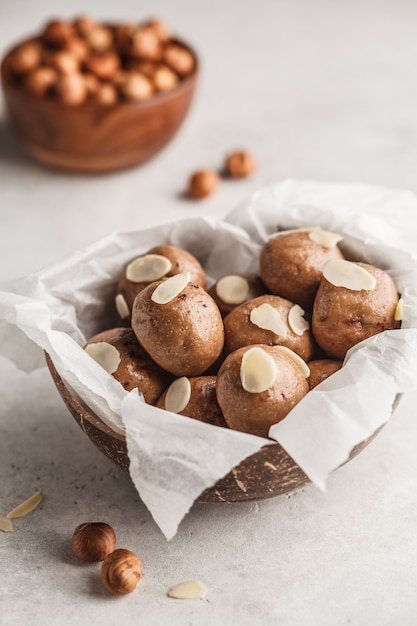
[(354, 301), (194, 397), (179, 325), (257, 386), (269, 320), (234, 289), (291, 263), (320, 369), (118, 351), (157, 263)]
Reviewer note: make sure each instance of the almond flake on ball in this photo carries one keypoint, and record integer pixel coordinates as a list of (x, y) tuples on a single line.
[(232, 289), (178, 395), (105, 355), (399, 310), (148, 268), (122, 307), (300, 363), (258, 370), (325, 238), (170, 288), (296, 320), (267, 317), (342, 273)]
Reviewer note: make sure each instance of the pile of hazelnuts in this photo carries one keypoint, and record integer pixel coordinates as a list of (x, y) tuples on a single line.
[(121, 569), (85, 61)]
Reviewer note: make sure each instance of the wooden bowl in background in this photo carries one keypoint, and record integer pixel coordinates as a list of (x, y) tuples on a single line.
[(93, 138), (267, 473)]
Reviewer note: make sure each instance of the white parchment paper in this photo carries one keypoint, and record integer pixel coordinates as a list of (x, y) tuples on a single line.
[(173, 458)]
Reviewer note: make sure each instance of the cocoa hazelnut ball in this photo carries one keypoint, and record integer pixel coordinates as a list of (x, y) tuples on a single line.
[(291, 265), (179, 325), (272, 385), (342, 316), (131, 365), (194, 397), (269, 320), (131, 282)]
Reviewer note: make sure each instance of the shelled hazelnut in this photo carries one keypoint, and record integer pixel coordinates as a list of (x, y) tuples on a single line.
[(203, 183), (93, 541), (130, 56), (239, 164), (121, 571)]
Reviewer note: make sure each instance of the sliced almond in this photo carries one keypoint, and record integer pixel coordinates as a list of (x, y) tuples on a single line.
[(258, 370), (25, 507), (300, 363), (188, 590), (5, 524), (399, 310), (342, 273), (105, 354), (147, 268), (178, 395), (232, 289), (279, 233), (170, 288), (296, 320), (122, 306), (325, 238), (267, 317)]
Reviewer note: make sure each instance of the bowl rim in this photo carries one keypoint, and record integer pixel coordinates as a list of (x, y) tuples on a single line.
[(158, 98)]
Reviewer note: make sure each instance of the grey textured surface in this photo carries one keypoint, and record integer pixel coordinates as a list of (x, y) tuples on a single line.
[(316, 90)]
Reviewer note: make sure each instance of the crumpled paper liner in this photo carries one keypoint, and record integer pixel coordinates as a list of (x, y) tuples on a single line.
[(173, 458)]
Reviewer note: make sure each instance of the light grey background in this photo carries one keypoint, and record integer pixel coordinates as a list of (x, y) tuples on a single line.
[(316, 90)]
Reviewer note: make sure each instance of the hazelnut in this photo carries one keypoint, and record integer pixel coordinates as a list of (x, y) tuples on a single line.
[(63, 61), (58, 33), (239, 164), (104, 65), (160, 29), (164, 78), (99, 38), (84, 24), (179, 59), (203, 183), (71, 89), (135, 86), (40, 80), (93, 541), (26, 57), (106, 94), (145, 44), (78, 48), (92, 84), (121, 571)]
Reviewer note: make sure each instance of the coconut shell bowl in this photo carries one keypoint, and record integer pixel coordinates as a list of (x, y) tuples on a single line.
[(267, 473), (92, 98)]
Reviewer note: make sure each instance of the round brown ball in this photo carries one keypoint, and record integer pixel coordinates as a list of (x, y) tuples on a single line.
[(255, 288), (343, 317), (320, 369), (136, 369), (181, 261), (185, 335), (291, 266), (202, 405), (239, 331), (255, 413)]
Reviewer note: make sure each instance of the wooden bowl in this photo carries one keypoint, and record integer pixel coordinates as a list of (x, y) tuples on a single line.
[(93, 138), (269, 472)]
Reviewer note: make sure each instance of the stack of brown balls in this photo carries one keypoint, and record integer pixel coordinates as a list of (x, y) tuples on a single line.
[(244, 352)]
